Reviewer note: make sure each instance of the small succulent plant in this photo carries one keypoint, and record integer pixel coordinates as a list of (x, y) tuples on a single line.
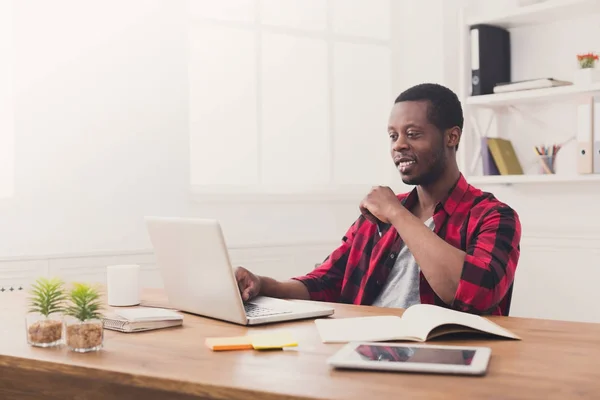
[(84, 302), (47, 296)]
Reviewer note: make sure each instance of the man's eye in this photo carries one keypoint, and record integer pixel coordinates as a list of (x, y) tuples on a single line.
[(393, 136), (412, 134)]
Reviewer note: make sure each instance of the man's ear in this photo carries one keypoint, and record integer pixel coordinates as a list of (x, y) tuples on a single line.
[(453, 136)]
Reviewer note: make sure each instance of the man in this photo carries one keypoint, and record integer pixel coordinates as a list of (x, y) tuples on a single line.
[(444, 243)]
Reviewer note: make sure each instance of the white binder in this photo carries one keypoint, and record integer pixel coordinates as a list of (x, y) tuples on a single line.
[(596, 136), (474, 61), (585, 131)]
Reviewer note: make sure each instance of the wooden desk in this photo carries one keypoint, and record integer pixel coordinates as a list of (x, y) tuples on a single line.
[(554, 360)]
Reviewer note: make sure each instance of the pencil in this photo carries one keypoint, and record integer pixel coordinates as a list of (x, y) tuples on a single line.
[(543, 162)]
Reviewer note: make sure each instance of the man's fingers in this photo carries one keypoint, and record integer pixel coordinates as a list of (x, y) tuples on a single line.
[(367, 214), (243, 281), (244, 285), (241, 285), (240, 272), (363, 208), (247, 283), (249, 291), (239, 276)]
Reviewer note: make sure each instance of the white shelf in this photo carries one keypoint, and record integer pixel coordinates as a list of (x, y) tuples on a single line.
[(521, 179), (533, 95), (540, 13)]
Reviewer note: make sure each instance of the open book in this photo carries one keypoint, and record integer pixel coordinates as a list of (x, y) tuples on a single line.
[(419, 323)]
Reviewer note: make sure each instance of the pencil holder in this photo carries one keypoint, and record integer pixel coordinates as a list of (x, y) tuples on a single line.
[(546, 164)]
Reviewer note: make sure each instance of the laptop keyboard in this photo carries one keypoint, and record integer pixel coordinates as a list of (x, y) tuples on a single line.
[(252, 310)]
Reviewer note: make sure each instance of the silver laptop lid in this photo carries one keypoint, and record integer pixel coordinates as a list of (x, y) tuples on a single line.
[(194, 264)]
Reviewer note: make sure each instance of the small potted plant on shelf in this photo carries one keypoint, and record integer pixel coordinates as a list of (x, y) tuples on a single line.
[(44, 322), (587, 72), (84, 329)]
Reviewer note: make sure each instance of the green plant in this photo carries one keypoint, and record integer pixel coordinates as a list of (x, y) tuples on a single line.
[(47, 296), (587, 60), (84, 302)]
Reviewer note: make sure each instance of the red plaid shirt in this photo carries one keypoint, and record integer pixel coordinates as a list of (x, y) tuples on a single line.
[(476, 222)]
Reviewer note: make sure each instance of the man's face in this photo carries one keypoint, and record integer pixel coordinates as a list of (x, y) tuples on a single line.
[(418, 148)]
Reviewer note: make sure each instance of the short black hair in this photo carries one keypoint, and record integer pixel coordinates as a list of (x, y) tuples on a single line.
[(444, 110)]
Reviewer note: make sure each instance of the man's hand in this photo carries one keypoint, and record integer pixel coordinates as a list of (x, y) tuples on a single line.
[(248, 283), (380, 203)]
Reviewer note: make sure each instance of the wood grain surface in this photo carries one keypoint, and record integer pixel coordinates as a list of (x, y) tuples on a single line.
[(554, 359)]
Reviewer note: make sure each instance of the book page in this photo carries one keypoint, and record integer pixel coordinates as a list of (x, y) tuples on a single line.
[(378, 328), (421, 319)]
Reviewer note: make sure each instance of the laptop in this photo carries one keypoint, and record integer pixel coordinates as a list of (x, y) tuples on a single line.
[(199, 279)]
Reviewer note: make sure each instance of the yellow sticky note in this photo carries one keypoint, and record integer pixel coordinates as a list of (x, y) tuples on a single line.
[(229, 343), (275, 340), (262, 341)]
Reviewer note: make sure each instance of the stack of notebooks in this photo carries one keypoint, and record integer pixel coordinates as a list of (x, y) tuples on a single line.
[(142, 319)]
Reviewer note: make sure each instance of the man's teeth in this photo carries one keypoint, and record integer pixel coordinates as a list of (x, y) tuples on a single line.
[(404, 164)]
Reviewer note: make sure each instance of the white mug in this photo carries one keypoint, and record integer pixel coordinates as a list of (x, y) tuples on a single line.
[(123, 284)]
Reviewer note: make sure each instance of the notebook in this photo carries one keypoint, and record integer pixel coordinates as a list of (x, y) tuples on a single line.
[(487, 159), (504, 156), (529, 84), (419, 323), (141, 319)]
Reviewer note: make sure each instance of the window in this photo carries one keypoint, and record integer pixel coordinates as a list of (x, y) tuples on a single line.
[(7, 125), (289, 96)]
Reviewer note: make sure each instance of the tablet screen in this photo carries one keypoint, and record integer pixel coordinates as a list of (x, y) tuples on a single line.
[(415, 354)]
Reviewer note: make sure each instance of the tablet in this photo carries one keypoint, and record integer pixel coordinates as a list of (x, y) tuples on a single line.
[(404, 357)]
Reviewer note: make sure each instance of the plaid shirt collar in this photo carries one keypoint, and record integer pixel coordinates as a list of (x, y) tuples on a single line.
[(448, 203)]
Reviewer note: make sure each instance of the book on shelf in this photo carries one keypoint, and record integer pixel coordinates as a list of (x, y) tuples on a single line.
[(529, 84), (504, 156), (419, 323), (487, 159)]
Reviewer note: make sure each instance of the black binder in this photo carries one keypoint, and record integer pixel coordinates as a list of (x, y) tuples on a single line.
[(490, 58)]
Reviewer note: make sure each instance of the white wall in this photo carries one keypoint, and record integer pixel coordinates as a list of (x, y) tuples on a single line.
[(100, 121), (6, 101), (102, 100), (289, 96)]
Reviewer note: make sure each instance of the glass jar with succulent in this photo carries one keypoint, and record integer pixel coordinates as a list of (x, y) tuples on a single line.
[(44, 321), (84, 329)]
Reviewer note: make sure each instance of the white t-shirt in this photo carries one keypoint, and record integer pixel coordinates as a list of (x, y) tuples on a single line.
[(402, 287)]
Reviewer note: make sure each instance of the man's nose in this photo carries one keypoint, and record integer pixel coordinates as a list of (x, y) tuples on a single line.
[(401, 143)]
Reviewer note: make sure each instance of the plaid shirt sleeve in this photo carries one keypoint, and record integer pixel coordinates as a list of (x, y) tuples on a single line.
[(324, 283), (490, 263)]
